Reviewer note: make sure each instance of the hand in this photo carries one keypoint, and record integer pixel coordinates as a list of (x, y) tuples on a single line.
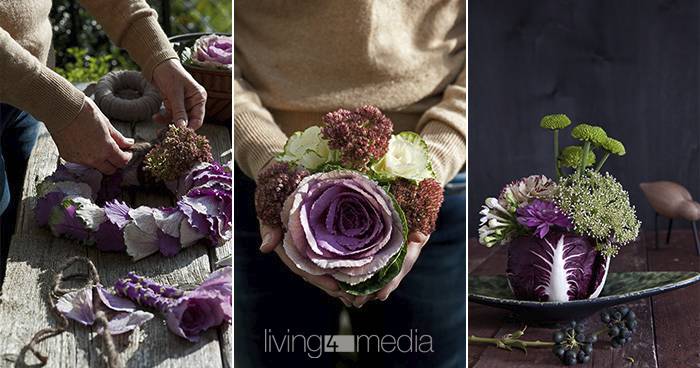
[(183, 97), (416, 241), (91, 140), (272, 238)]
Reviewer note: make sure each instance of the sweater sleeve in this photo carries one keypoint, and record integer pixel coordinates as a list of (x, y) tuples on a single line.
[(133, 25), (258, 138), (444, 129), (28, 84)]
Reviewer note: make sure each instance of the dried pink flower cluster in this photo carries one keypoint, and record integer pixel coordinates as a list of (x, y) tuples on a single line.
[(179, 149), (420, 203), (275, 183), (360, 136)]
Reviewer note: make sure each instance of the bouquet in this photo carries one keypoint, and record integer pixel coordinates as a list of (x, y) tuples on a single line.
[(561, 234), (347, 194)]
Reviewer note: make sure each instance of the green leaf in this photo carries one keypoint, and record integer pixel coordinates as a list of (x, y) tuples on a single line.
[(519, 345)]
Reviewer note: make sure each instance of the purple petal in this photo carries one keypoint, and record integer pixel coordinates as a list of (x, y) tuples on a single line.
[(117, 212), (77, 305), (168, 245), (127, 321), (115, 302), (45, 205), (109, 238), (64, 221)]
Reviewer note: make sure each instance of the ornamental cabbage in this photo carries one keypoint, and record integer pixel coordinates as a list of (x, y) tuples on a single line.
[(560, 267)]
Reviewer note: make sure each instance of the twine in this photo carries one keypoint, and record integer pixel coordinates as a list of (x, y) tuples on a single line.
[(56, 292)]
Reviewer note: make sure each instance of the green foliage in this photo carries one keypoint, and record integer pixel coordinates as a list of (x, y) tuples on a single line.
[(200, 16), (614, 146), (555, 121), (599, 208), (589, 133), (85, 68), (571, 157)]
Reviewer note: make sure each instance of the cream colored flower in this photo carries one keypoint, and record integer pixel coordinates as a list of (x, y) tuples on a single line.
[(407, 157), (307, 149)]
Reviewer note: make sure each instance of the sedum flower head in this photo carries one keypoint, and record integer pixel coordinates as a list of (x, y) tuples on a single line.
[(179, 149), (614, 146), (599, 208), (420, 203), (555, 121), (275, 183), (571, 157), (589, 133), (361, 136)]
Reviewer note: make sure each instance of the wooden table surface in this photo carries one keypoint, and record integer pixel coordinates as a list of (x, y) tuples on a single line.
[(669, 324), (35, 254)]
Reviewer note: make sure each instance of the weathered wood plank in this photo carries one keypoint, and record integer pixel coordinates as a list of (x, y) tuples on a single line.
[(676, 314), (35, 254)]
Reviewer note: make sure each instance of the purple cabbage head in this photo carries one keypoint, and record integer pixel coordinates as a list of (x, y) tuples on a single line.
[(560, 267), (341, 224)]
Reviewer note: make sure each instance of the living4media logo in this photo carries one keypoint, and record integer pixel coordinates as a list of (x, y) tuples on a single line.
[(316, 345)]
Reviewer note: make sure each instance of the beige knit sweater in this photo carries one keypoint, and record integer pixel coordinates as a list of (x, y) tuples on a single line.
[(296, 60), (25, 39)]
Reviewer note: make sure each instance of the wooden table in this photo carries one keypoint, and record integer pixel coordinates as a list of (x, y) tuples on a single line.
[(35, 254), (669, 323)]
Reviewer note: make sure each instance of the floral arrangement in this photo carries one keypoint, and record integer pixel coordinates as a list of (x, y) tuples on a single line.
[(347, 193), (561, 234), (210, 51), (79, 203), (188, 314)]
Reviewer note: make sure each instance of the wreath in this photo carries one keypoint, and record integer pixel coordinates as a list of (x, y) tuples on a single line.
[(80, 203)]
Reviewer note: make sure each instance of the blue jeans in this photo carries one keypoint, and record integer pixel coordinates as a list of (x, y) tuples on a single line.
[(272, 301), (18, 132)]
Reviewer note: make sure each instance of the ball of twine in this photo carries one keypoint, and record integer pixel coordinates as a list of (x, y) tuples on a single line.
[(125, 95)]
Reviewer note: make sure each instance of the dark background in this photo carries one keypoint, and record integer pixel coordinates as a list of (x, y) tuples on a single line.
[(630, 66)]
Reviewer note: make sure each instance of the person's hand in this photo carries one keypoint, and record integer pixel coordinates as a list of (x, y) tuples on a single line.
[(416, 241), (183, 97), (91, 140), (272, 238)]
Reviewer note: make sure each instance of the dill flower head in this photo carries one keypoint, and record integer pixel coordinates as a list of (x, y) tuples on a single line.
[(360, 136), (178, 149), (599, 208), (420, 203), (571, 157), (589, 133), (275, 183), (555, 122), (614, 146)]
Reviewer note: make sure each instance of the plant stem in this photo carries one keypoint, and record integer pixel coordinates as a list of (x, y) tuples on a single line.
[(556, 154), (493, 340), (602, 161), (584, 154)]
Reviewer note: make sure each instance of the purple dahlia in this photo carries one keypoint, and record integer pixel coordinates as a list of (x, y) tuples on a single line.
[(541, 216)]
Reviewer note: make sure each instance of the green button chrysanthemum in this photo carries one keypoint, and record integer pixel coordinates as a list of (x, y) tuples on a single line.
[(555, 121), (571, 157), (589, 133), (614, 146)]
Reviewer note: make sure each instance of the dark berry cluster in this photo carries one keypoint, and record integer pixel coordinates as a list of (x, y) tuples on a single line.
[(571, 345), (621, 322)]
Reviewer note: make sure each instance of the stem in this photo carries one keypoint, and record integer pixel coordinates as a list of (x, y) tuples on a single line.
[(493, 340), (584, 154), (602, 161), (556, 153), (603, 329)]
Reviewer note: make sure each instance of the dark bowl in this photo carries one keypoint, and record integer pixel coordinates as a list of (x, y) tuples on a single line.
[(619, 288)]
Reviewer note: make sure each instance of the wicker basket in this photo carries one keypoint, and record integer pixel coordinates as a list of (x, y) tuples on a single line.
[(217, 82)]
